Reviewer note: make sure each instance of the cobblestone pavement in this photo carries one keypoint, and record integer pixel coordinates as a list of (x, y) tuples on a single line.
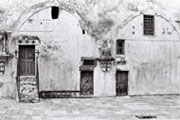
[(104, 108)]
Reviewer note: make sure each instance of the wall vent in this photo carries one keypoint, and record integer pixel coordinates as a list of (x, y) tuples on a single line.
[(59, 94), (89, 62), (146, 116)]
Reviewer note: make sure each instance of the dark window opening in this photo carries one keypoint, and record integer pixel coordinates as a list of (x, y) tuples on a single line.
[(54, 12), (120, 47), (83, 31), (148, 25), (89, 62)]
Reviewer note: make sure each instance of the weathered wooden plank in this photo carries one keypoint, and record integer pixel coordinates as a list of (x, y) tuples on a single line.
[(121, 83), (86, 85)]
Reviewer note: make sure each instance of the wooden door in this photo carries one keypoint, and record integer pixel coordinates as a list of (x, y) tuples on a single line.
[(121, 83), (26, 60), (86, 84)]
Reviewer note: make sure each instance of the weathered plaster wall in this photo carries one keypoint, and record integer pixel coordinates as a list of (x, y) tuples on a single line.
[(62, 46), (153, 72), (102, 20), (152, 61), (104, 82), (7, 83)]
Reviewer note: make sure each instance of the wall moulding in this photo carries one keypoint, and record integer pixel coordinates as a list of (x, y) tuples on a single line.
[(26, 40)]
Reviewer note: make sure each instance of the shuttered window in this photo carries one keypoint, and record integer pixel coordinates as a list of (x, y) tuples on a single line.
[(27, 60)]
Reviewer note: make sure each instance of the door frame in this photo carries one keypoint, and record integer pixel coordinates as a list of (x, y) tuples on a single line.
[(127, 81), (19, 76), (25, 40)]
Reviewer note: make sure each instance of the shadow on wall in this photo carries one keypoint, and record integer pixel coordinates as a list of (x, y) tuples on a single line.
[(102, 28)]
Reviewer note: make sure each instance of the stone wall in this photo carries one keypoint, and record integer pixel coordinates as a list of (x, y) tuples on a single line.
[(28, 89), (152, 61)]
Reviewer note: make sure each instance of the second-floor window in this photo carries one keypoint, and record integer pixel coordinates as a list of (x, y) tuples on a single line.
[(149, 25)]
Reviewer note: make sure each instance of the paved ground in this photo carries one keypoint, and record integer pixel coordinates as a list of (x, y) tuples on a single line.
[(105, 108)]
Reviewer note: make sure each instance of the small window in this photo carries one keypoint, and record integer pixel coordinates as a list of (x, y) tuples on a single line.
[(89, 62), (83, 31), (120, 47), (54, 12), (149, 25)]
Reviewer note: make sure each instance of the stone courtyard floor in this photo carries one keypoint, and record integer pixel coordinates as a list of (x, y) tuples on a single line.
[(103, 108)]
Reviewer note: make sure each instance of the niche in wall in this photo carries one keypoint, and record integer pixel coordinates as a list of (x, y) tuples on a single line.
[(54, 12)]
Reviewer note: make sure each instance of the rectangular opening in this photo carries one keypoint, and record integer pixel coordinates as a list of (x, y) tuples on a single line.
[(121, 83), (149, 25), (54, 12), (83, 31), (89, 62), (120, 47), (3, 39), (146, 116), (2, 66)]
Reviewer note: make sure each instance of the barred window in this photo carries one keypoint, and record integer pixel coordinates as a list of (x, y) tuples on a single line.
[(120, 47), (148, 25)]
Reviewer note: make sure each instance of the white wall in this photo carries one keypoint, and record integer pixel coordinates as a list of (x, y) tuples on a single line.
[(152, 61), (62, 46)]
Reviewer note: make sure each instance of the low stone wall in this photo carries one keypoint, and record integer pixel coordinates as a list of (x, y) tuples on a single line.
[(28, 91)]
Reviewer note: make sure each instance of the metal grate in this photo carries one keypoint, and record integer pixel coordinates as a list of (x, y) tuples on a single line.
[(148, 25), (145, 116), (120, 47), (59, 94), (54, 12)]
